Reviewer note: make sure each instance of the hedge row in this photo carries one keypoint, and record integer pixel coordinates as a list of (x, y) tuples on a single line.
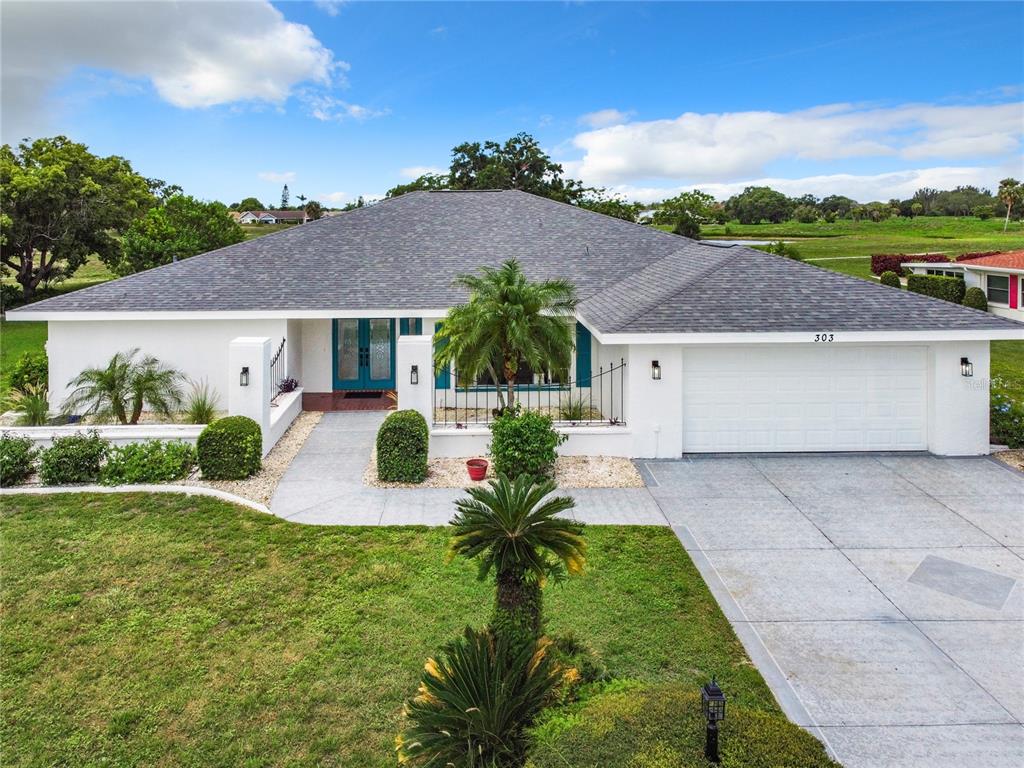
[(892, 262), (947, 288), (977, 255), (228, 449)]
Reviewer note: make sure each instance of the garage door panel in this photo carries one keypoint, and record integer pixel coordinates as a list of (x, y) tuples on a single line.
[(807, 398)]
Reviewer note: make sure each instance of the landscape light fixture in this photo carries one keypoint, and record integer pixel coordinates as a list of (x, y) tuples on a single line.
[(243, 377), (713, 702), (414, 375), (966, 367), (655, 370)]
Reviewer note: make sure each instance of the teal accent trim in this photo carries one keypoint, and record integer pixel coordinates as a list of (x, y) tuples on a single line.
[(583, 346), (362, 380), (443, 378), (415, 322)]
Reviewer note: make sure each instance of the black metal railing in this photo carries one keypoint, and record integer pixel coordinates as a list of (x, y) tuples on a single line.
[(595, 400), (278, 371)]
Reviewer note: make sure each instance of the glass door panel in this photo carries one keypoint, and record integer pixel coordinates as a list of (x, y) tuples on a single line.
[(348, 351), (380, 351)]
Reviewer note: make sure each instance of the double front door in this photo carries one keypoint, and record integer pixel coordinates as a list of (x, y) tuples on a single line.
[(364, 353)]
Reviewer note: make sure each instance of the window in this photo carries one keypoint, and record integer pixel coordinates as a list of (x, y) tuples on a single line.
[(524, 376), (942, 272), (998, 289)]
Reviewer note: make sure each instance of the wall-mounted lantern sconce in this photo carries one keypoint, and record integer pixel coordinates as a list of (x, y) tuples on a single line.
[(414, 375), (243, 377), (655, 370), (966, 367)]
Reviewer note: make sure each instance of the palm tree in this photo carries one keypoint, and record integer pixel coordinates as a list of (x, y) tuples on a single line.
[(122, 388), (515, 532), (508, 320), (1010, 192)]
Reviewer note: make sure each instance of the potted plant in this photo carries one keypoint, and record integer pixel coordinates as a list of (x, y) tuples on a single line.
[(477, 469)]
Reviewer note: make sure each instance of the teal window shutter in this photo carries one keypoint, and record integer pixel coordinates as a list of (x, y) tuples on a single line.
[(443, 379), (583, 372), (403, 326), (410, 325)]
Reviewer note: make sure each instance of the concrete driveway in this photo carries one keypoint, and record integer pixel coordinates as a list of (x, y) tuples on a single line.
[(881, 596)]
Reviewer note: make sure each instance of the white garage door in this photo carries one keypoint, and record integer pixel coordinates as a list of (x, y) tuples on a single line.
[(825, 397)]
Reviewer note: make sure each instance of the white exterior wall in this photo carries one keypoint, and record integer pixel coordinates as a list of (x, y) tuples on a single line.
[(293, 350), (317, 356), (958, 407), (654, 411), (197, 348), (980, 279)]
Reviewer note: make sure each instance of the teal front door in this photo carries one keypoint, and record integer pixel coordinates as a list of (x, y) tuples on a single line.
[(364, 353)]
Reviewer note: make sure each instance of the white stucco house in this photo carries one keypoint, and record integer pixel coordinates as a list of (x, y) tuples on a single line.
[(1000, 276), (273, 217), (682, 347)]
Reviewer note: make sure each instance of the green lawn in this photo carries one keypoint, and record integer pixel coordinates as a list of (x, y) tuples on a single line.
[(163, 630), (16, 339), (833, 245)]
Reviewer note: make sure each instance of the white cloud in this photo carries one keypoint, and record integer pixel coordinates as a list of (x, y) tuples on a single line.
[(338, 199), (195, 54), (864, 188), (325, 107), (602, 118), (278, 177), (330, 7), (415, 171), (733, 145)]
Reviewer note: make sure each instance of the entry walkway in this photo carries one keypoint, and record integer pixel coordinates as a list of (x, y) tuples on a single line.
[(324, 486), (882, 597)]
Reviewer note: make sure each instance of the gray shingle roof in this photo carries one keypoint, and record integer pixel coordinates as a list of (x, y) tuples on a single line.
[(402, 254)]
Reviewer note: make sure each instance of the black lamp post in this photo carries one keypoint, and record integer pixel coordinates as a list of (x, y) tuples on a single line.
[(713, 703)]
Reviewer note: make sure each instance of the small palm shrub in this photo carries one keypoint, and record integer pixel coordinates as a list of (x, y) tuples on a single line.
[(16, 457), (33, 403), (124, 387), (514, 530), (475, 702), (201, 404), (524, 443), (153, 461), (975, 298), (891, 279), (31, 369), (402, 444), (230, 449), (73, 459)]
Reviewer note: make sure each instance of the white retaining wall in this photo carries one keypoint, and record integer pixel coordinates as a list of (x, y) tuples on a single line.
[(118, 434)]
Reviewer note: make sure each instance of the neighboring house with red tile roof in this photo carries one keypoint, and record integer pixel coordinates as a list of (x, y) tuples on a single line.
[(1000, 276)]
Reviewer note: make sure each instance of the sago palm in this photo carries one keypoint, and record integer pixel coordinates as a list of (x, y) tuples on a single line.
[(507, 320), (124, 387), (513, 528), (475, 702)]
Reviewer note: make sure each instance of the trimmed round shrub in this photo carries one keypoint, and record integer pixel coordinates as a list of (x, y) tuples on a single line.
[(73, 459), (1006, 425), (30, 370), (16, 457), (891, 279), (975, 298), (230, 449), (154, 461), (524, 443), (662, 727), (402, 443)]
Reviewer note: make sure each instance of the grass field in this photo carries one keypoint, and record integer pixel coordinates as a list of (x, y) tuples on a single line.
[(846, 246), (161, 630), (15, 340)]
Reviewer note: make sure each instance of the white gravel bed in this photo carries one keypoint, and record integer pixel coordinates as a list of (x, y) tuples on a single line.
[(1013, 459), (261, 486), (570, 472)]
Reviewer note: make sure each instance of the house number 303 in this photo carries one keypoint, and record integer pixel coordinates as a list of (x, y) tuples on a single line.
[(824, 337)]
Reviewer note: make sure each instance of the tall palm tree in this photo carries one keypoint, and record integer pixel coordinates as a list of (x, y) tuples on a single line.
[(508, 320), (124, 387), (1010, 192), (514, 531)]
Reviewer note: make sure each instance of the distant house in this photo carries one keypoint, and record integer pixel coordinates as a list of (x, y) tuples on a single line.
[(273, 217), (1000, 276), (235, 216)]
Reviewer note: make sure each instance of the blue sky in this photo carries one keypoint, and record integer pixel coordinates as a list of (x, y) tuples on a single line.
[(342, 99)]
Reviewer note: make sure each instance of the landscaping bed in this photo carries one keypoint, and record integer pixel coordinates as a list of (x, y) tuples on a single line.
[(141, 629), (570, 472)]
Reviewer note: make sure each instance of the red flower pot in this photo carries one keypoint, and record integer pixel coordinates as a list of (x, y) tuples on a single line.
[(477, 469)]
